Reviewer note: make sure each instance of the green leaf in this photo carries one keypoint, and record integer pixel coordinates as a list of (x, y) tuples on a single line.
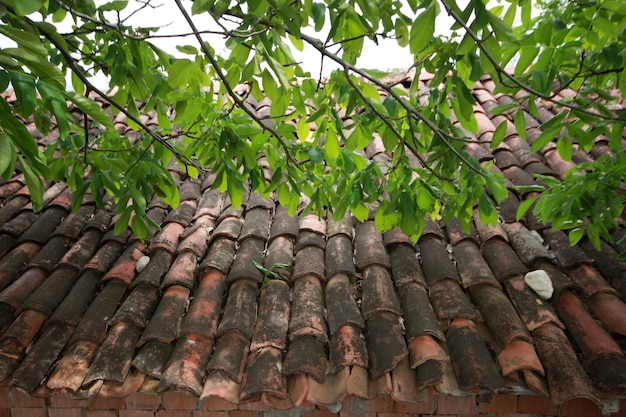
[(498, 135), (524, 207), (269, 85), (543, 139), (25, 91), (622, 82), (564, 148), (7, 156), (520, 124), (423, 29), (331, 146), (319, 15), (497, 187), (91, 108), (26, 40), (34, 183), (575, 235), (26, 7)]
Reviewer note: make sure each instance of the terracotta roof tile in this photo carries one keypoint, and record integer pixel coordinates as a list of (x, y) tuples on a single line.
[(307, 312), (474, 367), (78, 316)]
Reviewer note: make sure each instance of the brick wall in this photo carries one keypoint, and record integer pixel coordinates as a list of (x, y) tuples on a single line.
[(14, 403)]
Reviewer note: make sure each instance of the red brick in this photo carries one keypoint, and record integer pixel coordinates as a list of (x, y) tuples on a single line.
[(143, 401), (210, 414), (65, 412), (254, 406), (323, 412), (416, 408), (381, 404), (179, 401), (61, 401), (28, 412), (4, 412), (447, 404), (392, 415), (244, 413), (346, 413), (101, 413), (136, 413), (580, 407), (99, 402), (4, 397), (536, 404), (174, 413), (499, 404), (23, 400), (217, 404)]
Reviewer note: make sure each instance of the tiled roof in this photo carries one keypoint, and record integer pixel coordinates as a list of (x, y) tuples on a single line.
[(360, 314)]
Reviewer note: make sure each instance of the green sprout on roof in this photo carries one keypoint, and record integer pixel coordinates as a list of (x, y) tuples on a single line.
[(270, 274)]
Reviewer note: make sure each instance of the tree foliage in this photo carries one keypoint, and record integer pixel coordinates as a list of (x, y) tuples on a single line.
[(203, 123)]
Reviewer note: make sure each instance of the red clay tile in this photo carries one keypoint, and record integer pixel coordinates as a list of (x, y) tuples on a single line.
[(519, 355), (133, 381), (341, 304), (179, 401), (273, 317), (528, 248), (82, 250), (12, 264), (450, 302), (566, 377), (309, 261), (509, 207), (405, 266), (93, 324), (187, 365), (369, 247), (423, 349), (606, 260), (472, 267), (610, 310), (182, 215), (331, 391), (165, 322), (20, 334), (42, 228), (250, 251), (205, 308), (502, 259), (240, 312), (343, 226), (474, 366), (283, 224), (230, 355), (601, 355), (378, 292), (168, 237), (306, 355), (256, 224), (152, 358), (137, 307), (589, 280), (115, 355), (567, 255), (210, 204), (230, 228), (195, 238), (52, 291), (385, 343), (152, 273), (339, 254), (98, 402), (52, 252), (313, 223), (71, 370), (104, 258), (280, 253), (220, 255), (307, 310), (435, 261), (75, 222), (456, 234), (308, 238), (347, 348), (219, 385), (7, 243), (263, 374), (182, 271), (447, 404), (15, 294), (533, 311), (499, 314), (404, 382), (432, 229), (124, 268)]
